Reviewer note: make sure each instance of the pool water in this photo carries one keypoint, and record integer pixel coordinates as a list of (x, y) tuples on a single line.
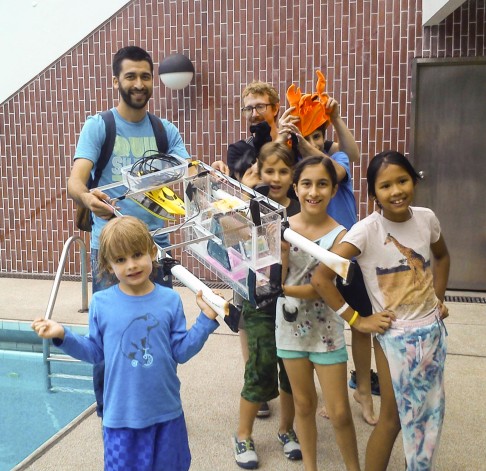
[(29, 413)]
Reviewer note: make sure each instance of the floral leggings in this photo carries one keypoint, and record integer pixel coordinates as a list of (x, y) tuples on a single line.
[(416, 353)]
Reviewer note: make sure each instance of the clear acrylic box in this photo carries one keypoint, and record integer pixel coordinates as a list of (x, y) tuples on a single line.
[(233, 232), (161, 173)]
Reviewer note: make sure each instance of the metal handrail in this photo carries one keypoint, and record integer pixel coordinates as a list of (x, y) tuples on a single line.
[(60, 271), (55, 288)]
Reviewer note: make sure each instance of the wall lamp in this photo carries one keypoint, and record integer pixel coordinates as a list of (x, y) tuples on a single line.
[(176, 71)]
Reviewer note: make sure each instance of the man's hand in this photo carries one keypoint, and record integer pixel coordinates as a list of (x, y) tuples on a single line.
[(288, 118), (220, 166), (305, 148), (287, 125), (98, 203)]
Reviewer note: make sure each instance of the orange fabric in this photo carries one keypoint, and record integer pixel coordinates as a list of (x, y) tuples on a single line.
[(310, 108)]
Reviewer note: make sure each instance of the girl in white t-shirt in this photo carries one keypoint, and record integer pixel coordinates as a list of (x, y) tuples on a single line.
[(309, 335), (405, 264)]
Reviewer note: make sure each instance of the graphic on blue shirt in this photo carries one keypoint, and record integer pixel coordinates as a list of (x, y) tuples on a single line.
[(135, 341)]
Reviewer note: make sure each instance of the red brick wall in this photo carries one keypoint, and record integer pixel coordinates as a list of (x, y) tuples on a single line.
[(364, 47)]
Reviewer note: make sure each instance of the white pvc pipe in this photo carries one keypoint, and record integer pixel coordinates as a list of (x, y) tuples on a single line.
[(336, 263), (220, 305)]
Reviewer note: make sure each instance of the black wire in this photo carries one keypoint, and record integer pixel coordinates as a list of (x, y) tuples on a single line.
[(157, 162), (148, 164)]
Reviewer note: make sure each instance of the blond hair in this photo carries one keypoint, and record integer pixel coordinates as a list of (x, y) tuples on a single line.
[(122, 236), (261, 88)]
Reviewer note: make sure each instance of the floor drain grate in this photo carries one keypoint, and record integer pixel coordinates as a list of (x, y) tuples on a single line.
[(209, 284), (465, 299)]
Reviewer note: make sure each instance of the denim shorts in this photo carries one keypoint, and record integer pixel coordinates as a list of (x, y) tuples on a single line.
[(319, 358)]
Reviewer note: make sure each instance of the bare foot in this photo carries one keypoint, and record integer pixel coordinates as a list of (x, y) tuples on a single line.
[(323, 412), (366, 403)]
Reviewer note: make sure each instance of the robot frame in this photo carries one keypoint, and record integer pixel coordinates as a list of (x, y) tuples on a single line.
[(232, 230)]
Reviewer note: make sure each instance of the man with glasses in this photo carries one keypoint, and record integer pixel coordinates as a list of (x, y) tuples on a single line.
[(261, 105)]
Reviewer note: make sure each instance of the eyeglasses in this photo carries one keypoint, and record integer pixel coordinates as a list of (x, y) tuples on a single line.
[(260, 109)]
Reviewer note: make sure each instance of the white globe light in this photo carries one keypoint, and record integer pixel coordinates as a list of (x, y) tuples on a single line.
[(176, 71), (177, 80)]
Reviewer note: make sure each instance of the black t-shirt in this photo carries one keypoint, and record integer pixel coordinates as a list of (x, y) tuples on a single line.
[(293, 208), (241, 150), (327, 146)]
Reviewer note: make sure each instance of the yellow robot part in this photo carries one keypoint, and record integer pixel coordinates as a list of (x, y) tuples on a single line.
[(162, 203)]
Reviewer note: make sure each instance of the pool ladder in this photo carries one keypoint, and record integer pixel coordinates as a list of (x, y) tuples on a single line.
[(49, 357)]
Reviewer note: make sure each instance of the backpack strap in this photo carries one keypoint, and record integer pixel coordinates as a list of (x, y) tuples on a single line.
[(107, 147), (159, 133), (109, 144)]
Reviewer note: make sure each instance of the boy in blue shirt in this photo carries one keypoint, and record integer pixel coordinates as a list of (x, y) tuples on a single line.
[(139, 329)]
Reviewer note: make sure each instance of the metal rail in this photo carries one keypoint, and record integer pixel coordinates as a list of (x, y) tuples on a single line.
[(46, 348), (60, 271)]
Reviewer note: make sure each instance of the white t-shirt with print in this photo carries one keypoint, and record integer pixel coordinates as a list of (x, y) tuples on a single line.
[(395, 261)]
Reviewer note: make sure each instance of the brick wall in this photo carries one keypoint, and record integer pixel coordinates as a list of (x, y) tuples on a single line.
[(365, 48)]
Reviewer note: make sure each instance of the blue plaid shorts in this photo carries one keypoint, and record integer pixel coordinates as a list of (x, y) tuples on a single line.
[(160, 447)]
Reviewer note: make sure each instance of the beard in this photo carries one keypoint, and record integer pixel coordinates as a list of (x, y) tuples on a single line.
[(128, 99), (255, 119)]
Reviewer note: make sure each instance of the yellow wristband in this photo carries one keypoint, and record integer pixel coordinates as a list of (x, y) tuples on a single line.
[(353, 319)]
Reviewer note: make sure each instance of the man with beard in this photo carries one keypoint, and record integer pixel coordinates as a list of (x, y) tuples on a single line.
[(133, 78), (261, 105)]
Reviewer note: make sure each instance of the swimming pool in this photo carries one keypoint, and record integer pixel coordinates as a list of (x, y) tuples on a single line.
[(29, 414)]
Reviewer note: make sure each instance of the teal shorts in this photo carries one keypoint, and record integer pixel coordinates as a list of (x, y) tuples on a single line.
[(319, 358), (262, 376)]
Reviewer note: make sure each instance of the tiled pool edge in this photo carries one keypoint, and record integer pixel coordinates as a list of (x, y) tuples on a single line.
[(19, 336), (46, 446)]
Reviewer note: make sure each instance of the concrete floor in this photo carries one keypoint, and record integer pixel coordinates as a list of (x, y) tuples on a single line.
[(211, 384)]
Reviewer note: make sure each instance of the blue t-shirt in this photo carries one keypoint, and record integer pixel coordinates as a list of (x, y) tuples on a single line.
[(142, 340), (342, 207), (132, 140)]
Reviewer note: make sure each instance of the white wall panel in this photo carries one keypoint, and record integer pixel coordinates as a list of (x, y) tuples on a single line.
[(34, 33)]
